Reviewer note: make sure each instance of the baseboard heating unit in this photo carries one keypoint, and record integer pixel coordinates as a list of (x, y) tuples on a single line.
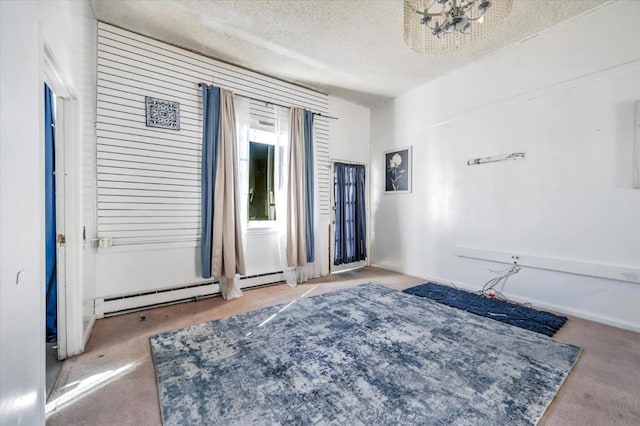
[(121, 304)]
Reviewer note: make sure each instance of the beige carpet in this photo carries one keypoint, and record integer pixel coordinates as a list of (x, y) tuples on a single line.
[(113, 382)]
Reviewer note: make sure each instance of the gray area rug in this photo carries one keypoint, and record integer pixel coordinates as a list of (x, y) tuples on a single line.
[(364, 355)]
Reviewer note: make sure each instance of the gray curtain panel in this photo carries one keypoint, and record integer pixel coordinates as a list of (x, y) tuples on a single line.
[(210, 134), (308, 162), (227, 251), (296, 221)]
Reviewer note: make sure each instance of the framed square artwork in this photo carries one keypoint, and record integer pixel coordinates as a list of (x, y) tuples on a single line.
[(162, 114)]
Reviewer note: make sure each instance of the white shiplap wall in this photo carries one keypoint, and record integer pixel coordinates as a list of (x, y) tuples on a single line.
[(148, 179)]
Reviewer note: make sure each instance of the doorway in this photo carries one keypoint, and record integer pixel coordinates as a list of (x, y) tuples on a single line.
[(348, 244), (51, 277), (54, 234)]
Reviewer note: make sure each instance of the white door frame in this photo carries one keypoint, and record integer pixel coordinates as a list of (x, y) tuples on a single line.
[(64, 106), (61, 261), (333, 269)]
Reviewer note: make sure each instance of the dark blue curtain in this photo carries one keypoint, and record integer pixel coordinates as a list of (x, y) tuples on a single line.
[(210, 137), (308, 162), (50, 214), (351, 222)]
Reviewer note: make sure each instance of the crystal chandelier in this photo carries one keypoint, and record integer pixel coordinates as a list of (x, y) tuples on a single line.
[(439, 26)]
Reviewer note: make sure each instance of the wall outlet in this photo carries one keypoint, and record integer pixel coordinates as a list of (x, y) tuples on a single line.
[(515, 259), (105, 242)]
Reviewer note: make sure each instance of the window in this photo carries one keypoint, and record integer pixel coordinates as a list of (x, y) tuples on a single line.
[(262, 200)]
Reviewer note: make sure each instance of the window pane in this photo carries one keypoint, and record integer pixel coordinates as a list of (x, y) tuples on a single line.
[(262, 203)]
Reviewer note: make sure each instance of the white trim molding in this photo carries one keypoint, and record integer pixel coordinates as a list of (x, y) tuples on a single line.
[(580, 267), (636, 154)]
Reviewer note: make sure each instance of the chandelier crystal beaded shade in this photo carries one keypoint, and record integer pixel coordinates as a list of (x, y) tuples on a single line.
[(440, 26)]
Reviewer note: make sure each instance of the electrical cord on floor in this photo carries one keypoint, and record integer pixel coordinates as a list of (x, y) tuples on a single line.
[(489, 291), (498, 295), (453, 285), (489, 288)]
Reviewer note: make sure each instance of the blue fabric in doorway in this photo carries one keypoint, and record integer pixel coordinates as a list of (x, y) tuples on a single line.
[(350, 213), (50, 214)]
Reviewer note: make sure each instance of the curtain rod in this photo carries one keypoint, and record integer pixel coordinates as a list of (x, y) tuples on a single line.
[(280, 105)]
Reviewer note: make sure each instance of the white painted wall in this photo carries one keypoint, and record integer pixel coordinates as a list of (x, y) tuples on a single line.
[(128, 67), (350, 134), (567, 98), (24, 29), (125, 270), (349, 142), (88, 176)]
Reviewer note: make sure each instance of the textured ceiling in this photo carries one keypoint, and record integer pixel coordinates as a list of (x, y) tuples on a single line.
[(351, 49)]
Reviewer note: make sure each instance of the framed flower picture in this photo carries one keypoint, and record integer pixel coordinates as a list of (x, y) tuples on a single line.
[(397, 170)]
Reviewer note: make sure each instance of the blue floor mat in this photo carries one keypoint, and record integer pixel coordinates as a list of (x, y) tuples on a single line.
[(499, 310)]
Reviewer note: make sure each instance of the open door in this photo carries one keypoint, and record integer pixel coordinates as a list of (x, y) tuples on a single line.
[(55, 106), (348, 234), (61, 231), (55, 278), (51, 214), (55, 240)]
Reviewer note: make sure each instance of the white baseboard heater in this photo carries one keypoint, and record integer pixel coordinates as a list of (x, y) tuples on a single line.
[(122, 304)]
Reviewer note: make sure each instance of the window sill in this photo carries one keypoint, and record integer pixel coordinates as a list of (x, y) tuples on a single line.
[(262, 227)]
